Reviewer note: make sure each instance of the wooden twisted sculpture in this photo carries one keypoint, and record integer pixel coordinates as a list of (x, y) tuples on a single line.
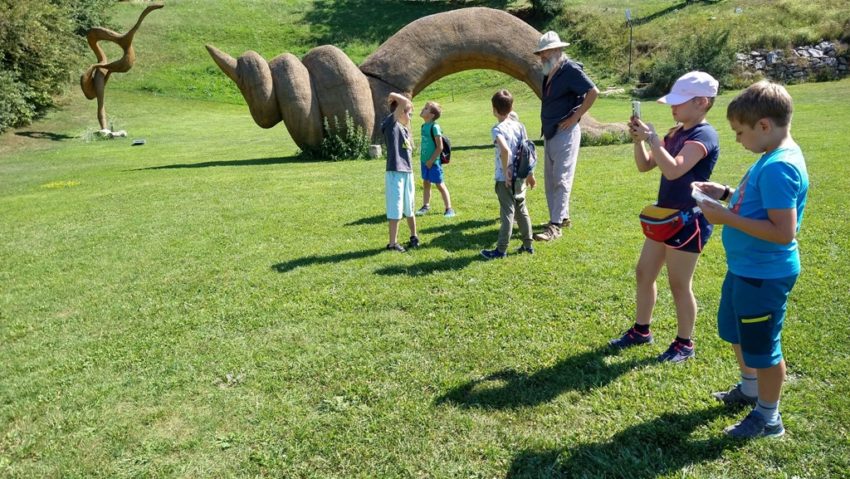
[(93, 81), (327, 84)]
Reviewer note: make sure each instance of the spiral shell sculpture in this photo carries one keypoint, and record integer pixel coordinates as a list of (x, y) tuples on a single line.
[(327, 84)]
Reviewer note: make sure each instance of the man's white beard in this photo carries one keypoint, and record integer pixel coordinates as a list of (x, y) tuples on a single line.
[(551, 63)]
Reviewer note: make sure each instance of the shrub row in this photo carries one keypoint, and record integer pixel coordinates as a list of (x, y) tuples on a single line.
[(41, 43)]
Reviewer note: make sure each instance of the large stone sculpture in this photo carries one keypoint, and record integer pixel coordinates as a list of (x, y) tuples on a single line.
[(327, 84), (93, 81)]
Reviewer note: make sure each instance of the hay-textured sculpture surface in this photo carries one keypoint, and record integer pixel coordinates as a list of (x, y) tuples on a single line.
[(327, 84), (93, 81)]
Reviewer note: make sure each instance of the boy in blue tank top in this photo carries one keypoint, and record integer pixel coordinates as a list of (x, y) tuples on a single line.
[(762, 220)]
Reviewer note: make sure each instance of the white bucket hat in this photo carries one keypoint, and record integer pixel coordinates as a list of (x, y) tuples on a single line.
[(549, 41), (690, 85)]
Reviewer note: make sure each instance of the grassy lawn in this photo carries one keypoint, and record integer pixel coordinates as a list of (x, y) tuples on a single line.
[(208, 305)]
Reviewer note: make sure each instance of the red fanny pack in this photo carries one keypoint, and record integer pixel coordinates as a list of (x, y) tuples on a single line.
[(660, 224)]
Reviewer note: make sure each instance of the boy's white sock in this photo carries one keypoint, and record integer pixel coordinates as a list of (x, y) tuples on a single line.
[(749, 385), (768, 410)]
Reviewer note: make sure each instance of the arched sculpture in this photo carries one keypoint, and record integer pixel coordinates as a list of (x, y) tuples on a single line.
[(327, 84), (93, 81)]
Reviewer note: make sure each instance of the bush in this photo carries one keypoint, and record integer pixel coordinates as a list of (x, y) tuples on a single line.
[(38, 51), (346, 141), (546, 8), (711, 53)]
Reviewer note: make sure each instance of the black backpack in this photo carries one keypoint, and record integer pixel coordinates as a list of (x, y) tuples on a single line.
[(446, 155)]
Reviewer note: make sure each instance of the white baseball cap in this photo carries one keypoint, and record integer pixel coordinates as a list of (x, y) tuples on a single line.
[(549, 41), (690, 85)]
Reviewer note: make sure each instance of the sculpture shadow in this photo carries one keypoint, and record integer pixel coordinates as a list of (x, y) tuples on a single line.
[(449, 237), (345, 21), (288, 266), (654, 448), (44, 135), (667, 11), (510, 389), (472, 147), (210, 164)]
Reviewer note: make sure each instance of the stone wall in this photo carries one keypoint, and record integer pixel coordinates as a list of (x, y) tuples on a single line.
[(811, 62)]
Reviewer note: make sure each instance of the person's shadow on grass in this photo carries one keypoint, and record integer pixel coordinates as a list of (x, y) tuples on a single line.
[(654, 448), (450, 237), (287, 266), (509, 389)]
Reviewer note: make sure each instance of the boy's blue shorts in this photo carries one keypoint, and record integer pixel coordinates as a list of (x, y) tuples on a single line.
[(751, 314), (433, 174), (400, 194)]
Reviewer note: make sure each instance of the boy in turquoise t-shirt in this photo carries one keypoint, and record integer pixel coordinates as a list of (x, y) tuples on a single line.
[(762, 219), (431, 145)]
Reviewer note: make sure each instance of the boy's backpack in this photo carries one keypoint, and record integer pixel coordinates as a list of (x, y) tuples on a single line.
[(446, 155), (525, 157)]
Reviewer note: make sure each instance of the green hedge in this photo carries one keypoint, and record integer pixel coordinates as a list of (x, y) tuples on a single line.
[(41, 44)]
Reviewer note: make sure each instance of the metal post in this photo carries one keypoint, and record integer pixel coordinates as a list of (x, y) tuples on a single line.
[(629, 21)]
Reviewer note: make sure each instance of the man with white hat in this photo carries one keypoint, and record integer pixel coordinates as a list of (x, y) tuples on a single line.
[(567, 95)]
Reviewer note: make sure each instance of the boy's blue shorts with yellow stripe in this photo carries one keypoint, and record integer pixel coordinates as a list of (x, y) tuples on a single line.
[(751, 314)]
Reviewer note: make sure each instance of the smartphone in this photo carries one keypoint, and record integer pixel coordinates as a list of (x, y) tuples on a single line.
[(701, 197), (636, 109)]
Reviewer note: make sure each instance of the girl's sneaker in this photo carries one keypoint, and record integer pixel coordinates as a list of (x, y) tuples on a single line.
[(449, 213), (423, 211), (631, 338), (414, 242), (677, 352)]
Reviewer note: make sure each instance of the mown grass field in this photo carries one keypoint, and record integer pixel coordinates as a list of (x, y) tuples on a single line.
[(208, 305)]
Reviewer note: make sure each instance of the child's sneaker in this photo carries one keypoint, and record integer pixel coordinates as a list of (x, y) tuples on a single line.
[(735, 397), (414, 242), (630, 338), (754, 426), (525, 249), (396, 247), (450, 213), (423, 211), (551, 232), (493, 254), (676, 353)]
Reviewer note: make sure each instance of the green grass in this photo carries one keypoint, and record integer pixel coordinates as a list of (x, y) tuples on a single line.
[(208, 305)]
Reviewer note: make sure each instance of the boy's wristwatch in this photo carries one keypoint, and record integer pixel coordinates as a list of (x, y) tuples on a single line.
[(726, 192)]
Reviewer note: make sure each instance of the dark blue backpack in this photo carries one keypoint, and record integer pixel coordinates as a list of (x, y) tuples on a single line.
[(525, 157)]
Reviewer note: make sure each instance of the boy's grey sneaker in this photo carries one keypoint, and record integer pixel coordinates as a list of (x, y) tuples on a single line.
[(676, 353), (493, 254), (549, 233), (525, 249), (754, 426), (423, 211), (631, 338), (396, 247), (414, 242), (735, 397), (450, 213)]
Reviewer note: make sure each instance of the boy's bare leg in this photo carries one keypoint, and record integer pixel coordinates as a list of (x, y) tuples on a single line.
[(394, 231), (770, 382), (411, 223), (680, 272), (426, 192), (649, 266), (444, 192)]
